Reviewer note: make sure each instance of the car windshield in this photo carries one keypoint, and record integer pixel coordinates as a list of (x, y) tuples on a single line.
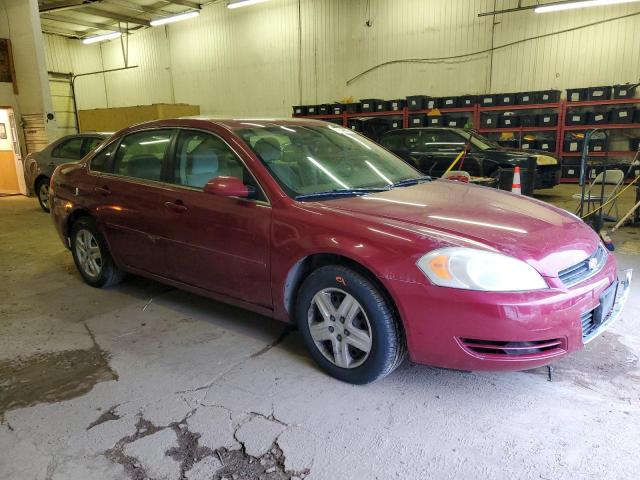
[(483, 143), (315, 159)]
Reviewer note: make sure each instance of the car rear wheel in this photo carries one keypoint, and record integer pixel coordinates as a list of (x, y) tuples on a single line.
[(42, 191), (91, 255), (348, 325)]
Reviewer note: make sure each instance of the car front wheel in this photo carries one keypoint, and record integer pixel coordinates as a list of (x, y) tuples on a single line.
[(42, 191), (91, 255), (348, 325)]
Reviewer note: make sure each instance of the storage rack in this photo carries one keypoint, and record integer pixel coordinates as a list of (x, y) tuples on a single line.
[(404, 112), (559, 130), (604, 127), (520, 130)]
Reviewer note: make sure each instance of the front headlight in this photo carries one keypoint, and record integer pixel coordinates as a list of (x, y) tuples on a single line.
[(472, 269)]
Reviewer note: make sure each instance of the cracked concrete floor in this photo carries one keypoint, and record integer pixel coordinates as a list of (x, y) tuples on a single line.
[(143, 381)]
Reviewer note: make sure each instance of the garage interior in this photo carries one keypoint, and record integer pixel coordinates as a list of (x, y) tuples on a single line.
[(146, 381)]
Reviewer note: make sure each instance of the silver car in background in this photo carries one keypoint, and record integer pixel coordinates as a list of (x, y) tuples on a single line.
[(39, 166)]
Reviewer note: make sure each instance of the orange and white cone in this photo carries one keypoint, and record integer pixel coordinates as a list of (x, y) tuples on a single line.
[(515, 188)]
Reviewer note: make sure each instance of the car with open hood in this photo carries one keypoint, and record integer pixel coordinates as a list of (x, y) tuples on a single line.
[(311, 223)]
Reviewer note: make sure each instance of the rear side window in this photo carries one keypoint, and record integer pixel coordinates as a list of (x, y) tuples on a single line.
[(141, 154), (69, 149), (91, 143), (102, 162)]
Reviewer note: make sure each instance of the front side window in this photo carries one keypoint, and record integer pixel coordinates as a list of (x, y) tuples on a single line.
[(141, 154), (70, 149), (102, 162), (202, 156), (312, 159)]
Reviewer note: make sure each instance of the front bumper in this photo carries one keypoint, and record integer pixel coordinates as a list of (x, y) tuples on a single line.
[(469, 330), (547, 176)]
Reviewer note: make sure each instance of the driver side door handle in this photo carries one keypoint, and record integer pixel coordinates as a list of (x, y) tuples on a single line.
[(177, 206)]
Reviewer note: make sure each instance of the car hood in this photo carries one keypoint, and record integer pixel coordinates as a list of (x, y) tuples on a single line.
[(546, 237)]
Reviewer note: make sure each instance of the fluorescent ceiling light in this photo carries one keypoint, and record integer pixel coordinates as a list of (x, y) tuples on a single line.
[(243, 3), (174, 18), (558, 6), (101, 38)]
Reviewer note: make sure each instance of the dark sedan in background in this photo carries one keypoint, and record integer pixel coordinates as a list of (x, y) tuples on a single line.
[(39, 166), (432, 150)]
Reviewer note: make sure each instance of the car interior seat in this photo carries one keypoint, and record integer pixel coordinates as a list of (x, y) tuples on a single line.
[(144, 166), (202, 166), (269, 151)]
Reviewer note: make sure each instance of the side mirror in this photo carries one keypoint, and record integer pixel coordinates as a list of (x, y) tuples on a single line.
[(227, 187)]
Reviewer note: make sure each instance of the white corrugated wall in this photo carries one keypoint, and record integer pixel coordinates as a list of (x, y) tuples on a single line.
[(262, 59)]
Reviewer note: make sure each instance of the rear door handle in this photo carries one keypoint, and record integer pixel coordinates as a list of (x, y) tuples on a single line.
[(102, 190), (176, 206)]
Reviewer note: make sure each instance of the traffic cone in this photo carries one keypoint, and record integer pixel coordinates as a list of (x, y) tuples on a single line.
[(515, 188)]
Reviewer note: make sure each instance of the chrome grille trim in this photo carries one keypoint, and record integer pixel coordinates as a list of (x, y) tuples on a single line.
[(581, 271)]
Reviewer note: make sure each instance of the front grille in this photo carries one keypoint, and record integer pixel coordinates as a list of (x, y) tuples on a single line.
[(589, 324), (493, 347), (581, 271)]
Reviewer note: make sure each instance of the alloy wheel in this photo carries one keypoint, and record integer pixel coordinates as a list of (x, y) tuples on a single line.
[(43, 194), (340, 328), (88, 253)]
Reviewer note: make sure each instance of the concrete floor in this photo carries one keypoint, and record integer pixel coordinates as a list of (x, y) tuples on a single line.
[(144, 381)]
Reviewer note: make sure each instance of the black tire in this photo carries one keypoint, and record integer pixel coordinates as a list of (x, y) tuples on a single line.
[(41, 186), (108, 274), (388, 346)]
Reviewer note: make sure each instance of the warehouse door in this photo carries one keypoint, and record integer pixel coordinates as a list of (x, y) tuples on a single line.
[(10, 167), (63, 106), (35, 135)]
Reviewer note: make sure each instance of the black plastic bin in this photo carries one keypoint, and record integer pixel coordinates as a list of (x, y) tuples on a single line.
[(457, 122), (467, 100), (312, 109), (624, 91), (381, 106), (571, 171), (417, 120), (505, 99), (634, 144), (489, 120), (600, 93), (597, 145), (299, 110), (369, 104), (337, 108), (527, 120), (547, 119), (547, 145), (323, 109), (526, 98), (548, 96), (622, 114), (636, 116), (395, 122), (431, 103), (575, 117), (354, 124), (529, 144), (598, 117), (417, 102), (448, 102), (508, 121), (486, 100), (572, 145), (397, 105), (577, 94), (352, 107), (434, 121)]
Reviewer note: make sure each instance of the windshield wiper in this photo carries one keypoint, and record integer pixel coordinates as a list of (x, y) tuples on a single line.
[(343, 192), (411, 181)]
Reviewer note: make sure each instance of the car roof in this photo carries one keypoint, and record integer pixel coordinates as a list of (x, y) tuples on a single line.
[(202, 121), (428, 129)]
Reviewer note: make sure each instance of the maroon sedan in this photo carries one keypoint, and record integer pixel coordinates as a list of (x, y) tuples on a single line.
[(309, 222)]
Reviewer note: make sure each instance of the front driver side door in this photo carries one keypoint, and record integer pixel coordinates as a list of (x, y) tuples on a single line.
[(220, 244)]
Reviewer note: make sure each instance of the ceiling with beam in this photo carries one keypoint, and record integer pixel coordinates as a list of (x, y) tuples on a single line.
[(85, 18)]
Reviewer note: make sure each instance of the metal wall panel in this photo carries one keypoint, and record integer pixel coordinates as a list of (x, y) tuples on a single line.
[(262, 59)]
